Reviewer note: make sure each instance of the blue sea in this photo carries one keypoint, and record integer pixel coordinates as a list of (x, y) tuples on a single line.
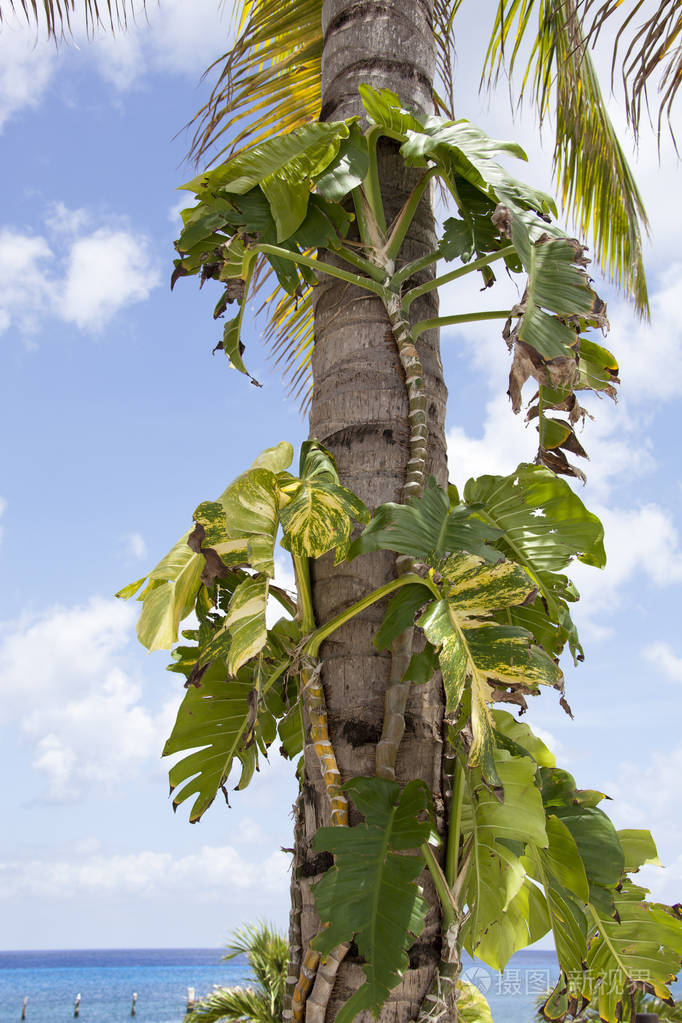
[(107, 979)]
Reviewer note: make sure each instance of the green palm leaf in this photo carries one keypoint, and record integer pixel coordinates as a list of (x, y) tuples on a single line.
[(371, 893), (57, 13), (232, 1005), (595, 179)]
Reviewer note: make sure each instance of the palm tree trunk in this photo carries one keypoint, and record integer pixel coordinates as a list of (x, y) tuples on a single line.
[(359, 412)]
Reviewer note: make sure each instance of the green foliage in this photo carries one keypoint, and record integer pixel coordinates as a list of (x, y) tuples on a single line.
[(481, 577), (267, 953), (477, 653), (371, 893), (543, 526)]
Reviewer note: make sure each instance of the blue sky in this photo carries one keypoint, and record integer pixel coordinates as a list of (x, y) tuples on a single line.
[(117, 422)]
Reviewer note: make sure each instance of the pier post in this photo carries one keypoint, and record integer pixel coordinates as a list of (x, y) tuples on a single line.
[(133, 1010), (23, 1008), (190, 998), (77, 1007)]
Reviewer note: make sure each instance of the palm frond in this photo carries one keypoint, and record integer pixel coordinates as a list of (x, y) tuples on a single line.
[(267, 952), (655, 46), (231, 1005), (592, 171), (290, 335), (56, 14), (269, 80), (444, 92)]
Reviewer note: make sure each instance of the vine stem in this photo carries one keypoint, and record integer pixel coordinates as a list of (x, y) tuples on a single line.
[(397, 692), (312, 991)]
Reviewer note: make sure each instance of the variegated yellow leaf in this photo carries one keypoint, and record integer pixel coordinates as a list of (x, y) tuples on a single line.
[(246, 622), (169, 596), (318, 517), (251, 508), (476, 650)]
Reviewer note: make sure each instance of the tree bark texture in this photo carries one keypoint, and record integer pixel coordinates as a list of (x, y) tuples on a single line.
[(359, 411)]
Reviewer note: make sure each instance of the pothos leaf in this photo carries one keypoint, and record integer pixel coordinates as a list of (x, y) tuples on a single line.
[(642, 942), (370, 894), (425, 526), (496, 874), (400, 613), (168, 597), (543, 526), (474, 650), (246, 622), (221, 721), (471, 1004), (283, 167), (318, 517)]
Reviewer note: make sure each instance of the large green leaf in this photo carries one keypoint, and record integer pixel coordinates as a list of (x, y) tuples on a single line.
[(221, 720), (370, 894), (459, 146), (168, 597), (348, 168), (476, 650), (400, 613), (494, 827), (543, 526), (524, 921), (638, 848), (283, 167), (521, 737), (561, 872), (426, 526), (597, 842), (643, 943)]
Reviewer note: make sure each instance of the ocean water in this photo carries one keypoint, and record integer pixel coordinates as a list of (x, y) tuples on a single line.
[(106, 980)]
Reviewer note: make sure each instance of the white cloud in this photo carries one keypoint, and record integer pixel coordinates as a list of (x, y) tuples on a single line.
[(61, 220), (100, 273), (26, 67), (662, 656), (615, 440), (106, 271), (147, 874), (135, 546), (177, 38), (640, 542), (25, 263), (78, 705), (650, 354), (647, 796)]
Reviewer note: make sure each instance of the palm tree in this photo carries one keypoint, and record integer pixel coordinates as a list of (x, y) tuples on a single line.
[(295, 60), (267, 954)]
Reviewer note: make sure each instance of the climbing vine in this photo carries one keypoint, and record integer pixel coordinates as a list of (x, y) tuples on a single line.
[(479, 575)]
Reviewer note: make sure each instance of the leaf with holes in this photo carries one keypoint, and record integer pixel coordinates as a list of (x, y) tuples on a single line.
[(543, 525), (426, 526)]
